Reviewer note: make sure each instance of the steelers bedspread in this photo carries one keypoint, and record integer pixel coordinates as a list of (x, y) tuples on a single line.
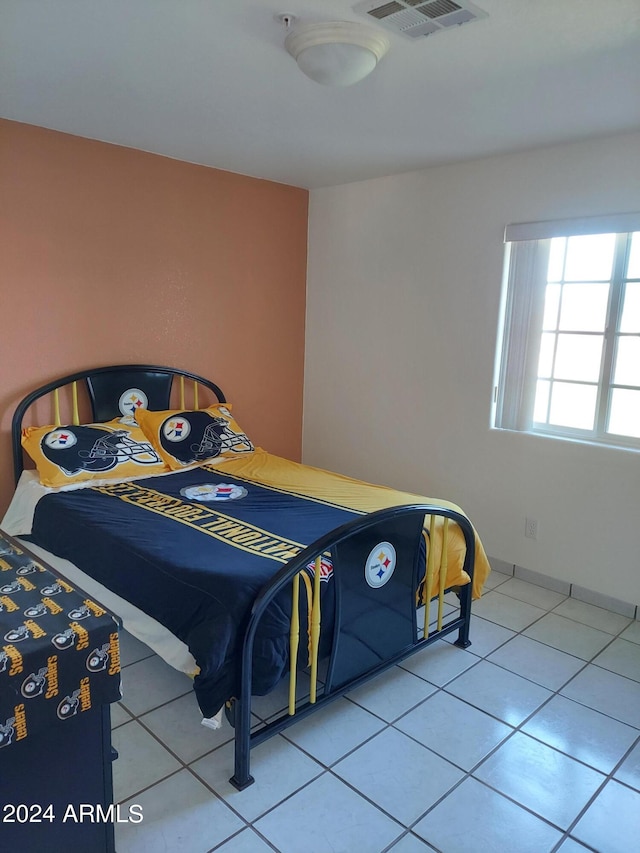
[(59, 653), (192, 550)]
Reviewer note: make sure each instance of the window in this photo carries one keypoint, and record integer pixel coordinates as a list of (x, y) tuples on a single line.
[(570, 353)]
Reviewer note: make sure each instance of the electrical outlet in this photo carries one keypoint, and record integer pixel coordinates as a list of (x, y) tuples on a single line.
[(531, 528)]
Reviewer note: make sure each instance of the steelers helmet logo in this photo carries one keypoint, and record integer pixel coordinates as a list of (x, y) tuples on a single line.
[(176, 429), (33, 685), (60, 439), (380, 565), (98, 659), (35, 610), (65, 639), (132, 400), (69, 706)]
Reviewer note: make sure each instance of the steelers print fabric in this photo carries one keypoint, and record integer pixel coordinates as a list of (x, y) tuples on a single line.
[(59, 652), (66, 455), (184, 438)]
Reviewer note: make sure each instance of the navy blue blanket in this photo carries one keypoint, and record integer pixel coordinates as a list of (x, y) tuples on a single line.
[(193, 552)]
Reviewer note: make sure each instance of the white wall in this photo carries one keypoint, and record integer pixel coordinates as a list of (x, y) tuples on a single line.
[(404, 288)]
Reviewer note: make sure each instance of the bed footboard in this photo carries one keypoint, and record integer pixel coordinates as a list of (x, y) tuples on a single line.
[(387, 569)]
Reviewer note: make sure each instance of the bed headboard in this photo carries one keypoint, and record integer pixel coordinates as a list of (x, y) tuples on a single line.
[(110, 392)]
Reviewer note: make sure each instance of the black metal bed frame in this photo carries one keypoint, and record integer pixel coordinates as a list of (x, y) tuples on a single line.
[(359, 535), (372, 629), (104, 386)]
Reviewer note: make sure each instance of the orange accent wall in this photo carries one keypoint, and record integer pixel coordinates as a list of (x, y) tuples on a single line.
[(110, 255)]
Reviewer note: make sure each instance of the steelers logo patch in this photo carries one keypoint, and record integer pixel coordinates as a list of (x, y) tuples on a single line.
[(380, 565), (214, 492), (176, 429), (132, 400), (60, 439)]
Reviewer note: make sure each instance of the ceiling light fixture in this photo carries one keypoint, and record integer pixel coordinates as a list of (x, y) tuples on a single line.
[(338, 53)]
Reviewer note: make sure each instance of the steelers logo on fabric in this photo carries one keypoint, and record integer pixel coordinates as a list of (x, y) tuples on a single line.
[(60, 439), (36, 610), (214, 492), (132, 400), (326, 568), (176, 429), (380, 565)]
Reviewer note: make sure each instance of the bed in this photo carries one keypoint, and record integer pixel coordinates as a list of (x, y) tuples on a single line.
[(236, 566)]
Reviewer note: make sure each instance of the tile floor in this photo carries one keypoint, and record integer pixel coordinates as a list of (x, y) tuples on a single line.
[(527, 742)]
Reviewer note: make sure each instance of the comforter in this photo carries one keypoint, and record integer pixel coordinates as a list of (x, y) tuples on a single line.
[(194, 548)]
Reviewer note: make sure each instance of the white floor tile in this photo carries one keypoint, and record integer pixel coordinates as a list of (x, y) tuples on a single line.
[(596, 617), (550, 767), (392, 694), (119, 715), (612, 823), (582, 733), (629, 770), (278, 767), (508, 612), (150, 683), (541, 779), (142, 761), (622, 657), (410, 844), (543, 664), (503, 694), (571, 846), (632, 633), (568, 636), (440, 663), (604, 691), (328, 816), (485, 636), (179, 725), (455, 730), (398, 775), (495, 579), (246, 841), (539, 596), (473, 818), (331, 733), (179, 814), (131, 649)]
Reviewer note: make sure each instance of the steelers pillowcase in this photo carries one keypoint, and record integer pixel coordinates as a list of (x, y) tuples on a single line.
[(186, 437), (66, 455)]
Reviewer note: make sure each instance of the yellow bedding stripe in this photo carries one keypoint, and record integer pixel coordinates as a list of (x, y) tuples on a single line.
[(314, 483), (344, 492)]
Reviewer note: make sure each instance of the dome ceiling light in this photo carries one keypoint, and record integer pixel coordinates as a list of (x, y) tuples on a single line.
[(336, 53)]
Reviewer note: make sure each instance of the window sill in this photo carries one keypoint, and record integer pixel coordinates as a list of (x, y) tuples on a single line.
[(603, 445)]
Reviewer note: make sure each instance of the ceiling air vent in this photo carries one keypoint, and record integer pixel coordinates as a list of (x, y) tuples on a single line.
[(417, 18)]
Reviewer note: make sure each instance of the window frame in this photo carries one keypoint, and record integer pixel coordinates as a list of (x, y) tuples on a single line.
[(525, 282)]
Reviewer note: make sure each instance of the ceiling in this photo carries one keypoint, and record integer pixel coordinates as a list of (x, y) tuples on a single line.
[(209, 81)]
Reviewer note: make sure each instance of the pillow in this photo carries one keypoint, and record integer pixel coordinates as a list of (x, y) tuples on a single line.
[(182, 438), (90, 452)]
